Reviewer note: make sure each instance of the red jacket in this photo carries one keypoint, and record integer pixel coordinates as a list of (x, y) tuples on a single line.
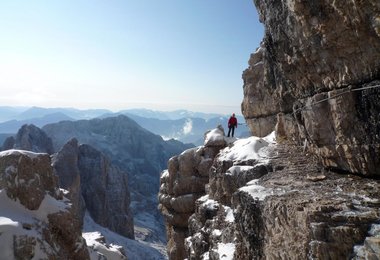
[(232, 122)]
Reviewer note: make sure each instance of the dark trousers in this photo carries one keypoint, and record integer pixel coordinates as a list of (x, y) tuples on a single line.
[(229, 131)]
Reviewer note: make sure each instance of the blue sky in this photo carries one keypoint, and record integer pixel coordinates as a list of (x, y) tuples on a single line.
[(119, 54)]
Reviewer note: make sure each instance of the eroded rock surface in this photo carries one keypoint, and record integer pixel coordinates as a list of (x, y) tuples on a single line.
[(312, 66), (30, 138), (288, 207), (105, 191), (95, 185), (37, 220), (182, 184)]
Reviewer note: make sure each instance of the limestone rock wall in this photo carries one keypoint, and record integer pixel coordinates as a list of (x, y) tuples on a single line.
[(105, 191), (30, 138), (95, 185), (287, 207), (314, 58), (37, 219), (181, 185)]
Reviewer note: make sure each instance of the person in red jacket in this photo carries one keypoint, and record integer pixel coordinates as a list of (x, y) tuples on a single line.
[(232, 124)]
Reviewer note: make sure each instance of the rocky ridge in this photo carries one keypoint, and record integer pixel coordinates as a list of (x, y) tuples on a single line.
[(277, 204), (139, 153)]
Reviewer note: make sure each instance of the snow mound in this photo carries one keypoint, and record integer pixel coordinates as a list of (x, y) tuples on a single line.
[(244, 149), (31, 155), (215, 137)]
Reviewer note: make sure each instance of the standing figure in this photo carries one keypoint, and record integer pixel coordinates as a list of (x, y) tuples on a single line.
[(232, 123)]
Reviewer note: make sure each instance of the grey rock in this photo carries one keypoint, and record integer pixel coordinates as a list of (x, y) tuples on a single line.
[(30, 138), (28, 177), (105, 191), (310, 67)]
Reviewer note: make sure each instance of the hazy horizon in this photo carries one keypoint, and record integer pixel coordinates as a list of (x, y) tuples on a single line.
[(117, 55)]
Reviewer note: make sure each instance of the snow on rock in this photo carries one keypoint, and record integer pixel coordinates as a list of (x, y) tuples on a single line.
[(215, 137), (36, 220), (104, 242), (225, 251), (31, 155), (229, 214), (211, 204), (245, 149), (235, 170), (95, 242), (256, 191)]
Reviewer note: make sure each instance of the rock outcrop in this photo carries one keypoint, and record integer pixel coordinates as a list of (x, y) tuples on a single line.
[(105, 191), (95, 185), (318, 67), (182, 184), (273, 202), (65, 166), (37, 220), (30, 138), (133, 149), (315, 79)]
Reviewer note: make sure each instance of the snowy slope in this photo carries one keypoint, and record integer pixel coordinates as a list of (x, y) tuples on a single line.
[(134, 250), (16, 221)]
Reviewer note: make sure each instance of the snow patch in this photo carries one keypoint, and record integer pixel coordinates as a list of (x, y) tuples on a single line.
[(132, 248), (235, 170), (271, 138), (226, 251), (214, 136), (31, 155), (165, 174), (210, 204), (216, 232), (244, 149), (14, 216), (109, 251), (256, 191), (229, 214)]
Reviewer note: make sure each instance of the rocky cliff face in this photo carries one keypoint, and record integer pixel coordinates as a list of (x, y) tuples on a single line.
[(316, 70), (314, 80), (30, 138), (132, 149), (181, 185), (94, 185), (65, 166), (105, 191), (36, 219), (267, 201)]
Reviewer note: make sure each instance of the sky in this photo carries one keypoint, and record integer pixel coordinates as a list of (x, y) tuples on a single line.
[(119, 54)]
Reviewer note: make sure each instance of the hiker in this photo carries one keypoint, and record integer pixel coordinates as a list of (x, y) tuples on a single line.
[(232, 123)]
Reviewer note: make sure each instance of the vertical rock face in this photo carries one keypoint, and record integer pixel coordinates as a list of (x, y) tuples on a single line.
[(37, 220), (181, 185), (318, 65), (30, 138), (65, 165), (105, 191), (95, 185)]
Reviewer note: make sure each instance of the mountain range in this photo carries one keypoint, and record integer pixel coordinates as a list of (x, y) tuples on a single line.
[(185, 126)]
